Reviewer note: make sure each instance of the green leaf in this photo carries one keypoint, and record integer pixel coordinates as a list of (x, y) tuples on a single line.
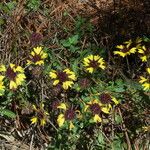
[(8, 113), (118, 119), (65, 43), (73, 40), (101, 138)]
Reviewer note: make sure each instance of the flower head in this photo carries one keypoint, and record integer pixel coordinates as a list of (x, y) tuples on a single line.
[(145, 81), (37, 56), (93, 62), (65, 78), (106, 98), (125, 49), (96, 108), (40, 115), (67, 116), (15, 75), (144, 53)]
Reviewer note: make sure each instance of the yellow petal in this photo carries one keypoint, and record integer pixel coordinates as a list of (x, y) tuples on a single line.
[(62, 106), (96, 57), (53, 75), (67, 84), (44, 55), (19, 69), (55, 82), (1, 77), (106, 110), (12, 85), (97, 118), (132, 50), (34, 120), (120, 47), (86, 107), (115, 100), (73, 77), (60, 120), (148, 70), (143, 79), (40, 62), (37, 50), (2, 68), (12, 65), (43, 122), (34, 107), (71, 126), (90, 69), (146, 86), (143, 58)]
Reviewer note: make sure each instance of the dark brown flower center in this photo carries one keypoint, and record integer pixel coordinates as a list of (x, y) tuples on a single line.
[(94, 64), (62, 76), (10, 73), (105, 98), (55, 104), (40, 114), (95, 108), (84, 83), (36, 58), (69, 114), (125, 50)]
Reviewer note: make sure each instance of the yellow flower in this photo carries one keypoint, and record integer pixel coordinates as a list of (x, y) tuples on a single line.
[(96, 108), (125, 49), (93, 62), (15, 75), (67, 116), (65, 78), (2, 87), (145, 81), (40, 115), (144, 52), (37, 56)]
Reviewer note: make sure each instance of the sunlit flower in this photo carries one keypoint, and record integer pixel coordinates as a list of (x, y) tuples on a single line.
[(67, 116), (125, 49), (40, 115), (96, 108), (144, 53), (65, 78), (2, 87), (145, 81), (37, 56), (15, 75), (93, 62)]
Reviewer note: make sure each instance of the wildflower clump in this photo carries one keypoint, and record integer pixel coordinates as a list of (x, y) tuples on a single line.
[(64, 78), (14, 74), (40, 115), (93, 62), (37, 57), (125, 49), (145, 80)]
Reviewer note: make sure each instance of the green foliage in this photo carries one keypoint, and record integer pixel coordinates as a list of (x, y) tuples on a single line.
[(71, 43), (7, 113), (33, 5)]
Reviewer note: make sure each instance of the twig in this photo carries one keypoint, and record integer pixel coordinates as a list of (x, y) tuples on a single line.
[(126, 133), (31, 141)]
